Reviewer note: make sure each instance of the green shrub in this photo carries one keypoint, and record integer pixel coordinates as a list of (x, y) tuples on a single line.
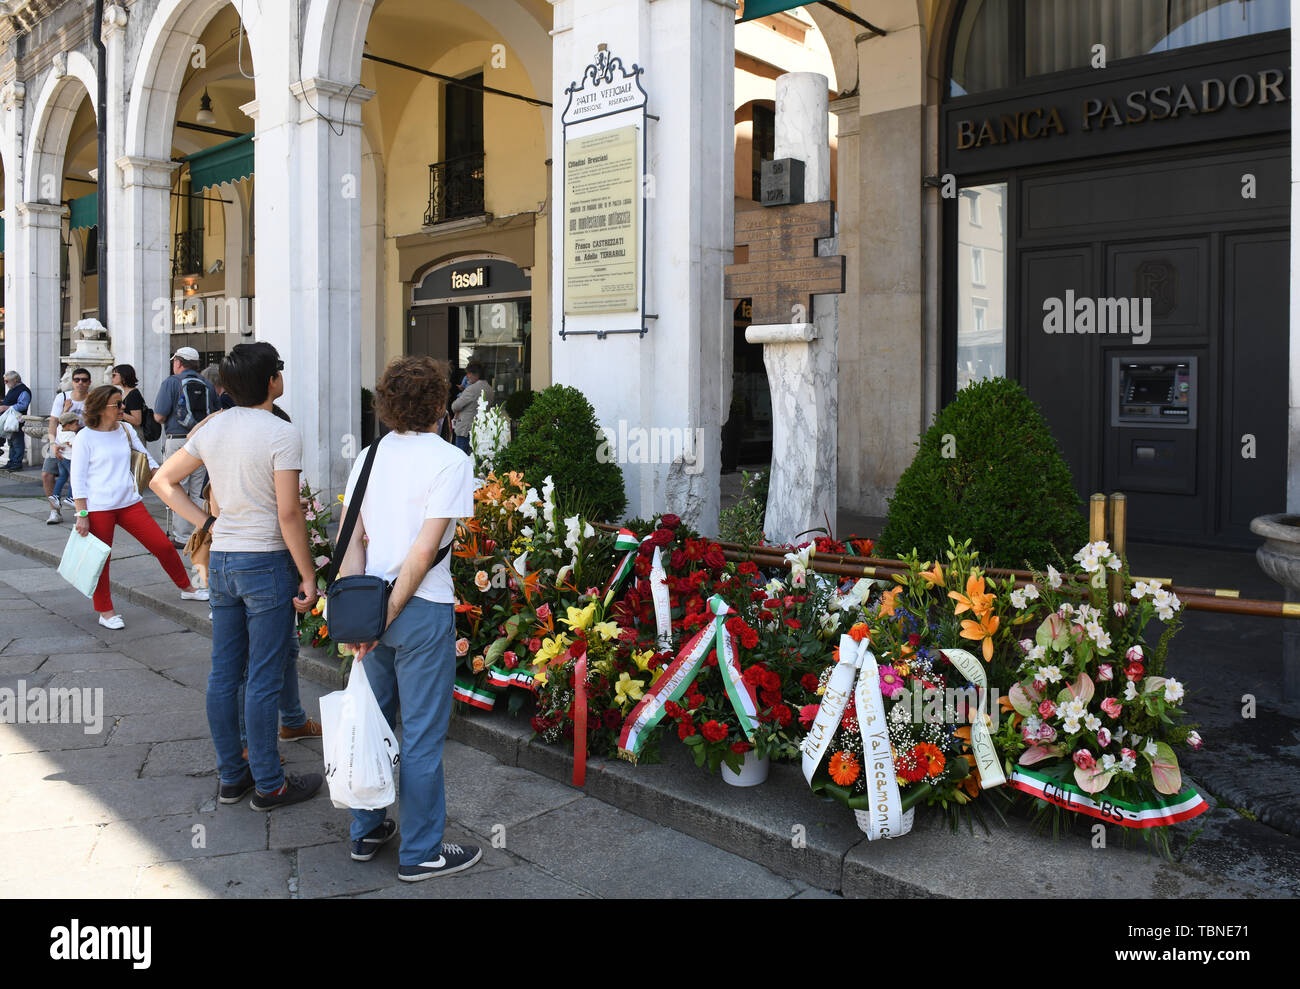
[(1003, 484), (558, 436), (518, 402), (743, 522)]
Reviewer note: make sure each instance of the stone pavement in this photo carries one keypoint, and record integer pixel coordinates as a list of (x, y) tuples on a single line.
[(115, 813)]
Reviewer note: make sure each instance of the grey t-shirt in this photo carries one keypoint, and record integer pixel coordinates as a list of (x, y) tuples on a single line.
[(242, 449)]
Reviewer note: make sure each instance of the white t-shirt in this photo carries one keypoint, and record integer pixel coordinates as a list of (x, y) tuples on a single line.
[(242, 449), (416, 476), (78, 407), (101, 470)]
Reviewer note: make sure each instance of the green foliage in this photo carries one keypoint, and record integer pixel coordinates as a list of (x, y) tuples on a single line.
[(518, 402), (558, 436), (743, 522), (989, 470)]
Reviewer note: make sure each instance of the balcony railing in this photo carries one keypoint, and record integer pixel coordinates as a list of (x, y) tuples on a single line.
[(455, 189), (187, 257)]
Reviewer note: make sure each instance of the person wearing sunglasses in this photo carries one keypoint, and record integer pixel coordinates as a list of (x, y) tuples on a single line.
[(56, 471), (107, 497)]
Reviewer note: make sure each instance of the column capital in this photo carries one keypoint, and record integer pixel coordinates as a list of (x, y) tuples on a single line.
[(330, 99), (114, 23), (13, 95), (41, 214), (152, 173)]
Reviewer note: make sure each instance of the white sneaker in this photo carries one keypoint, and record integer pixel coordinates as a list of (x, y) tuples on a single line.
[(114, 622), (54, 502), (55, 517), (198, 594), (69, 503)]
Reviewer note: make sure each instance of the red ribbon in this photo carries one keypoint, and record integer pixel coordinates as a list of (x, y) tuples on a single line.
[(580, 721)]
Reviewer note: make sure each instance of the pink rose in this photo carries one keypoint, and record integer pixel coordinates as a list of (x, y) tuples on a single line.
[(1047, 733), (543, 612), (1103, 737), (1128, 754), (1105, 672), (462, 647), (1040, 685), (1084, 760), (1134, 671), (511, 660), (1134, 654), (1027, 735), (1112, 706), (593, 592), (1194, 740), (1046, 709)]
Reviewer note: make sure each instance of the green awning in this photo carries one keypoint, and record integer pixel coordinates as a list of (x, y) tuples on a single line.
[(84, 211), (229, 161), (761, 8)]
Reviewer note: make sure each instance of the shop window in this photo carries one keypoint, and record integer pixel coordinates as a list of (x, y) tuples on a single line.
[(981, 316), (1059, 35), (764, 145)]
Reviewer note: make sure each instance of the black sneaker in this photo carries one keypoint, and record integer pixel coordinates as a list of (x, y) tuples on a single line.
[(454, 858), (232, 793), (364, 849), (295, 790)]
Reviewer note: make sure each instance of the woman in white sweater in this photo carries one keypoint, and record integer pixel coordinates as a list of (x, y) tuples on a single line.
[(107, 496)]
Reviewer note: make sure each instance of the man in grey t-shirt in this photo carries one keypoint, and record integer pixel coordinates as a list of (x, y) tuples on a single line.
[(260, 560)]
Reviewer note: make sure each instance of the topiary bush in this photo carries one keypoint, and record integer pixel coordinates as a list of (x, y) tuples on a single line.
[(558, 436), (989, 470), (517, 404)]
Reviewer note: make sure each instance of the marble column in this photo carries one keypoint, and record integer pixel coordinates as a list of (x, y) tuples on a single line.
[(801, 357), (139, 291), (32, 347), (675, 379)]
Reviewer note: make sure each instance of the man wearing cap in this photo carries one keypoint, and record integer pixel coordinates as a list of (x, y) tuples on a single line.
[(180, 406), (17, 397)]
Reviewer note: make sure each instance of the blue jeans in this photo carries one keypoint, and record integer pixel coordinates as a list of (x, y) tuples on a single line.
[(462, 443), (17, 448), (292, 714), (63, 479), (252, 635), (415, 662)]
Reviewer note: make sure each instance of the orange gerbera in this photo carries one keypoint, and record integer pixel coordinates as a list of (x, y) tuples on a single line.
[(981, 631), (974, 599), (930, 757), (845, 768), (860, 631)]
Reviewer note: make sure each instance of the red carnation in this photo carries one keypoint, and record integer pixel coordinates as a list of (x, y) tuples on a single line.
[(712, 658), (713, 558), (673, 710), (754, 675), (612, 719), (539, 723), (670, 521), (808, 682), (740, 748), (794, 623), (642, 566), (783, 715), (713, 732), (578, 649), (685, 730), (770, 681), (748, 639), (677, 561), (534, 645), (770, 697), (694, 701), (734, 624), (748, 567)]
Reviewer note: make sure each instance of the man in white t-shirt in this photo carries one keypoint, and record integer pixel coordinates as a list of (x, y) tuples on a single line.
[(419, 486), (56, 472), (260, 559)]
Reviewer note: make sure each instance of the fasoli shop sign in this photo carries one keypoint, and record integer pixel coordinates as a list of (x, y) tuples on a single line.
[(1112, 115)]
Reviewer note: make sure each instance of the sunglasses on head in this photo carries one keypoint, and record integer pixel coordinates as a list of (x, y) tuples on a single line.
[(114, 405), (279, 365)]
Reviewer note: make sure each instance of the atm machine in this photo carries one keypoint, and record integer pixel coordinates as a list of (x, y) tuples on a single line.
[(1152, 441)]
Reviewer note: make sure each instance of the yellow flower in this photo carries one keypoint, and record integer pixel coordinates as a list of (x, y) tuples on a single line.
[(654, 677), (551, 647), (627, 689), (642, 659), (579, 618), (539, 676), (607, 630)]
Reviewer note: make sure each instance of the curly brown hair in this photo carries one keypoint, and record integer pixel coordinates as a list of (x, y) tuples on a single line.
[(97, 403), (412, 393)]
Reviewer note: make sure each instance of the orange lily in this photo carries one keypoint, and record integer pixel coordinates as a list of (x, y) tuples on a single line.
[(934, 577), (981, 631), (970, 782), (528, 584), (974, 599), (888, 601)]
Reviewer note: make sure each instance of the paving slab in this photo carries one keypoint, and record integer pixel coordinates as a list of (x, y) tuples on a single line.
[(32, 856), (35, 805), (179, 837), (328, 870), (191, 757), (103, 763), (520, 882), (44, 738), (482, 794), (83, 662), (241, 876), (52, 642), (61, 883), (128, 729), (134, 691), (19, 665)]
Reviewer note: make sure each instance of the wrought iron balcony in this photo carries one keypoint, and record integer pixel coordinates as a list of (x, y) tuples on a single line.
[(187, 256), (455, 189)]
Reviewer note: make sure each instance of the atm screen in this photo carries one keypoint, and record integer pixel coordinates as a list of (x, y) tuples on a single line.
[(1150, 391)]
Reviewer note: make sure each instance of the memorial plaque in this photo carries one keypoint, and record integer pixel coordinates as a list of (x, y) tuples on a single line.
[(782, 270), (601, 240), (782, 182)]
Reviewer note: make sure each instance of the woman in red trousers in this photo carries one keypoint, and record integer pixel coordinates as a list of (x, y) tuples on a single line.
[(107, 496)]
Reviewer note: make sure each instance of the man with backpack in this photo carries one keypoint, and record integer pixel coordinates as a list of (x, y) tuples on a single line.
[(184, 400)]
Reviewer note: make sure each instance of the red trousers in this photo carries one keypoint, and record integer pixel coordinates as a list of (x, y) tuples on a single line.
[(136, 520)]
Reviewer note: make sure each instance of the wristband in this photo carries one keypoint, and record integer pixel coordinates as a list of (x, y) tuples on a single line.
[(208, 524), (83, 514)]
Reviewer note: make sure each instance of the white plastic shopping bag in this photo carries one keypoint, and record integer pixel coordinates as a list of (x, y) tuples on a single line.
[(359, 747)]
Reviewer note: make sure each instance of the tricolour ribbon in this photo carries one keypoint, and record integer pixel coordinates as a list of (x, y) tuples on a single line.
[(625, 540), (681, 673), (981, 738), (465, 690), (1126, 813)]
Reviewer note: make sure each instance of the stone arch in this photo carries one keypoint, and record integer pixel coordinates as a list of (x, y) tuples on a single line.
[(890, 69), (55, 109), (160, 68), (940, 40), (333, 38)]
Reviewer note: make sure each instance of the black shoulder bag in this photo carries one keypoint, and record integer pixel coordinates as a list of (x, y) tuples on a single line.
[(358, 605)]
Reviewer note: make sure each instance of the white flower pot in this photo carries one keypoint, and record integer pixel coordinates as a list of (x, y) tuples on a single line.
[(753, 771)]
